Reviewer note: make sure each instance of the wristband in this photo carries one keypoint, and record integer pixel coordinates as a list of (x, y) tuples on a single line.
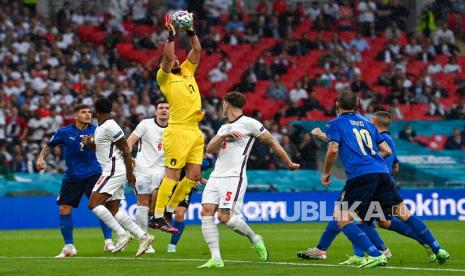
[(190, 32), (170, 38)]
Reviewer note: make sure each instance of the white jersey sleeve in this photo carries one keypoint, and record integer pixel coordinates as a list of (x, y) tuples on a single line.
[(255, 127), (140, 129), (114, 131)]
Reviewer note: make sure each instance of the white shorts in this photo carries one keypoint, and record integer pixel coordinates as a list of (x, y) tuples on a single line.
[(112, 185), (147, 183), (226, 192)]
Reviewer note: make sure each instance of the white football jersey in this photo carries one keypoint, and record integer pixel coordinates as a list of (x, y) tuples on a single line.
[(108, 155), (233, 155), (150, 157)]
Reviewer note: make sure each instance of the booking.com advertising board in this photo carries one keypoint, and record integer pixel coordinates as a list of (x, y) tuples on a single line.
[(41, 212)]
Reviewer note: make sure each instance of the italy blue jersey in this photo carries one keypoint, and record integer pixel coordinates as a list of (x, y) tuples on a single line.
[(358, 144), (391, 159), (81, 161)]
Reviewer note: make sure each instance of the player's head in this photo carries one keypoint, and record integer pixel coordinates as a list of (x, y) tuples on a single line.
[(175, 69), (382, 120), (82, 114), (233, 100), (103, 106), (162, 109), (347, 101)]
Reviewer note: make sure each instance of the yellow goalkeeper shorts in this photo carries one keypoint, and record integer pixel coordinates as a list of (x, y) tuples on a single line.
[(182, 145)]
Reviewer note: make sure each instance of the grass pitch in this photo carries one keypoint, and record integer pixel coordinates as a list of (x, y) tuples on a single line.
[(31, 252)]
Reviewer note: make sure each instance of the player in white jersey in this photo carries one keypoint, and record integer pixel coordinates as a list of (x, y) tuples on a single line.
[(113, 154), (150, 161), (227, 185)]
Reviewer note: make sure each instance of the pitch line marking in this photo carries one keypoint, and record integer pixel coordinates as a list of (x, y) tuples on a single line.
[(238, 261)]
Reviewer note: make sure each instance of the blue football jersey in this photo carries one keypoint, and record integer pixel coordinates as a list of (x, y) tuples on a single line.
[(391, 159), (80, 160), (358, 144)]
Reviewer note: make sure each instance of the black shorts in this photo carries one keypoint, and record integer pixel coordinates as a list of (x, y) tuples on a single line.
[(371, 188), (72, 190)]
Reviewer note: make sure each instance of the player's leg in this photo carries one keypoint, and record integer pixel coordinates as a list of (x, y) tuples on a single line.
[(359, 190), (144, 190), (164, 194), (69, 197), (193, 175), (108, 244), (421, 230), (178, 223), (232, 191), (210, 201)]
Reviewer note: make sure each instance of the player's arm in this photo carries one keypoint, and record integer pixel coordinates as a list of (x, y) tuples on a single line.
[(57, 139), (395, 168), (331, 156), (168, 50), (217, 142), (384, 149), (122, 145), (267, 138), (320, 134), (133, 138), (40, 164), (196, 47)]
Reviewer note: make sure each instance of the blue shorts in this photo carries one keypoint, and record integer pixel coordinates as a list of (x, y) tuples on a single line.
[(72, 190), (371, 188)]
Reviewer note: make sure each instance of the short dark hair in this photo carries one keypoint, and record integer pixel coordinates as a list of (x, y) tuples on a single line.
[(347, 100), (160, 101), (79, 107), (235, 99), (383, 118), (103, 105)]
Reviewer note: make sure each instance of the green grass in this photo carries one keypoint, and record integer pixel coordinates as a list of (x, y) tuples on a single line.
[(31, 252)]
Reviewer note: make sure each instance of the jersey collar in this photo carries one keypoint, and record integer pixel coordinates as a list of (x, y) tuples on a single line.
[(386, 131), (236, 119), (347, 113), (155, 120)]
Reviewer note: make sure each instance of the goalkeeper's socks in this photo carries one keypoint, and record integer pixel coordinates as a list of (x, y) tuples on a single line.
[(105, 230), (423, 232), (66, 228), (328, 236), (182, 190), (360, 239), (373, 235), (163, 196), (404, 229), (180, 225)]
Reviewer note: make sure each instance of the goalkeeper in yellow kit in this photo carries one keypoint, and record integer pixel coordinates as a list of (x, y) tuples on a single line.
[(183, 141)]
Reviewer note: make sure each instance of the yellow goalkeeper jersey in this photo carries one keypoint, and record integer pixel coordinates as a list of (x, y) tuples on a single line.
[(182, 94)]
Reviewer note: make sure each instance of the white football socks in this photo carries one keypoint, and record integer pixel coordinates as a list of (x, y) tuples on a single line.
[(129, 224), (105, 215), (142, 217), (211, 236), (238, 225)]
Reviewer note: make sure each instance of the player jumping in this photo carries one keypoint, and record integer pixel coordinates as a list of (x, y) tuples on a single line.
[(113, 155), (82, 171), (227, 184), (362, 149), (150, 162), (183, 141)]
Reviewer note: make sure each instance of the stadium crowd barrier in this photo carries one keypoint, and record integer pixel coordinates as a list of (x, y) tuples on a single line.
[(262, 207)]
